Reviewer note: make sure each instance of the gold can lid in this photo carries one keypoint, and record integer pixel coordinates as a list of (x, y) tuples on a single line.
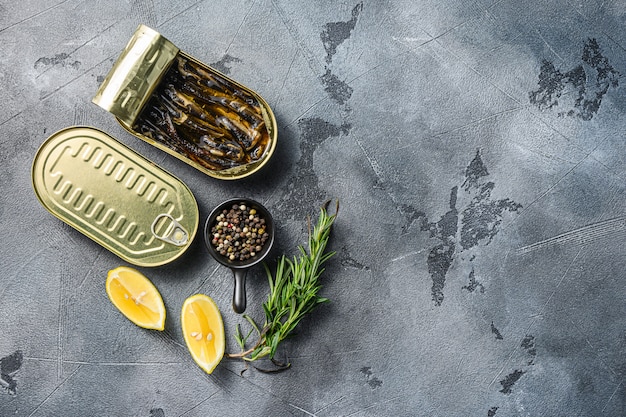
[(137, 71), (115, 196)]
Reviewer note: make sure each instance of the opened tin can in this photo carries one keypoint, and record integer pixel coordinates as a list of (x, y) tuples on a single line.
[(188, 109), (115, 196)]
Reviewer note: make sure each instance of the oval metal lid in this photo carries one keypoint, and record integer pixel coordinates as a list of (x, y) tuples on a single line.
[(115, 196)]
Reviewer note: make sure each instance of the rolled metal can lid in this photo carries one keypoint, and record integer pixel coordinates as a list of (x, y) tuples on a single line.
[(137, 71), (115, 196)]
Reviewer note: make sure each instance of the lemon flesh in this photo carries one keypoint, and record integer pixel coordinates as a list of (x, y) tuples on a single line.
[(136, 297), (203, 330)]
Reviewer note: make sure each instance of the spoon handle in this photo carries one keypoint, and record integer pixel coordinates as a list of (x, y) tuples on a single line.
[(239, 294)]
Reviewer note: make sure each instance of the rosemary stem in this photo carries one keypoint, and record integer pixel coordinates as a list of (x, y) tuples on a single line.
[(294, 288)]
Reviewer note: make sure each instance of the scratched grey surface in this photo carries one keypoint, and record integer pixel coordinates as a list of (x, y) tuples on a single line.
[(477, 148)]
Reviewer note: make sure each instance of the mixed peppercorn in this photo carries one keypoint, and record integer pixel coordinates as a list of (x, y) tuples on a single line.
[(239, 233)]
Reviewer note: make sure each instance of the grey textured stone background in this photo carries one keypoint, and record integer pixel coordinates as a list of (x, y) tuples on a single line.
[(478, 151)]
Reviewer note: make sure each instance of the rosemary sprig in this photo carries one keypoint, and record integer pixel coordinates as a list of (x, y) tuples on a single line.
[(294, 289)]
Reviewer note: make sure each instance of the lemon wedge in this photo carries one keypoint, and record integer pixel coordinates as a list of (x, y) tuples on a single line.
[(203, 330), (136, 297)]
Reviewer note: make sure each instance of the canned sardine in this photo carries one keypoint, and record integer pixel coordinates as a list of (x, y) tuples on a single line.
[(188, 109)]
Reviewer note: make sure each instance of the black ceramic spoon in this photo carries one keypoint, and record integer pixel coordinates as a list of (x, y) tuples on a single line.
[(239, 267)]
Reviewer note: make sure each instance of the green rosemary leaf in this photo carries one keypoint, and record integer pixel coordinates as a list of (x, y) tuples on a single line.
[(252, 322), (274, 344), (241, 341)]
